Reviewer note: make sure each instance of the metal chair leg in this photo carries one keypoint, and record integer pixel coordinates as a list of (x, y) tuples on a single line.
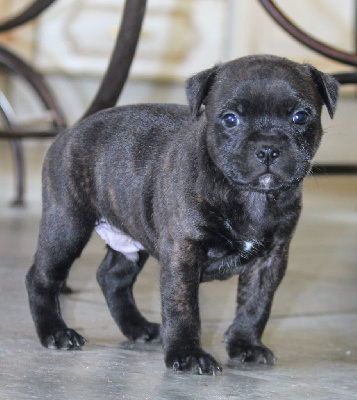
[(18, 153), (9, 118)]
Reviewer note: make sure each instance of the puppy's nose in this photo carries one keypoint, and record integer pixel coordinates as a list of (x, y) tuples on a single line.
[(267, 155)]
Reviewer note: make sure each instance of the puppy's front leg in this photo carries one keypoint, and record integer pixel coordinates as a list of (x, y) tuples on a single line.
[(257, 286), (180, 319)]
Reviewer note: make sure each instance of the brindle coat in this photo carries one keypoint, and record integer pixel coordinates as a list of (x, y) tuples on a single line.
[(210, 192)]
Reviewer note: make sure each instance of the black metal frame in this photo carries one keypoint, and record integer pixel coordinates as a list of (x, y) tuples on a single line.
[(29, 13), (17, 152), (107, 95)]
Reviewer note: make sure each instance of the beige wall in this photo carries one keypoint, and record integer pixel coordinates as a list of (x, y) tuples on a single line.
[(72, 41), (179, 37)]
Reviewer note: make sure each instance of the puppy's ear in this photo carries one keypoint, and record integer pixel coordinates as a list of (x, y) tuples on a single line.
[(327, 86), (197, 88)]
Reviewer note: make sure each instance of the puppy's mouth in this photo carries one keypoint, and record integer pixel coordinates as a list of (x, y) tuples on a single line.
[(268, 182), (248, 172)]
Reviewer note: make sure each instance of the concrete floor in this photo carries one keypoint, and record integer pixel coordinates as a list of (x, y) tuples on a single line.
[(313, 328)]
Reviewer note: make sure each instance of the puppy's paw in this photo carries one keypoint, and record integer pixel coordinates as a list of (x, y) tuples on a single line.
[(246, 352), (195, 362), (149, 332), (65, 339)]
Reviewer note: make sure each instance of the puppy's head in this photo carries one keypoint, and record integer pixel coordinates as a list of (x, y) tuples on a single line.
[(263, 118)]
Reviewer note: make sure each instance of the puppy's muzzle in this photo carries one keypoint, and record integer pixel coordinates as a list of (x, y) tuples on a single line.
[(267, 155), (271, 161)]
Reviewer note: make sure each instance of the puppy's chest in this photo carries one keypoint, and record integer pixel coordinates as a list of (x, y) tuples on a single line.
[(231, 248), (245, 249)]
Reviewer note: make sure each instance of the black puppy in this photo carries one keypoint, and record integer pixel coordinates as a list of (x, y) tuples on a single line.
[(210, 193)]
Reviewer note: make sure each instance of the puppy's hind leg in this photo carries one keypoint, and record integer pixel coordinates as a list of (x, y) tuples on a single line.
[(116, 275), (62, 238)]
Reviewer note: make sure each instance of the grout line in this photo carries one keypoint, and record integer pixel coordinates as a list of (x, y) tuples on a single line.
[(317, 314)]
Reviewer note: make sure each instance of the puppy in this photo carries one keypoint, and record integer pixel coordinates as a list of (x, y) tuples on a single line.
[(211, 190)]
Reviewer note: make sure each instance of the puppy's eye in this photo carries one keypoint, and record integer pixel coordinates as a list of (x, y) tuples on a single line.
[(230, 120), (300, 117)]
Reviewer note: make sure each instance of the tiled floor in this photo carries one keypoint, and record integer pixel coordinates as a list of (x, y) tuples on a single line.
[(313, 328)]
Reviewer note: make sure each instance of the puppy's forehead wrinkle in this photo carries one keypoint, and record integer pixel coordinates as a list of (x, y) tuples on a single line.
[(271, 68), (264, 97)]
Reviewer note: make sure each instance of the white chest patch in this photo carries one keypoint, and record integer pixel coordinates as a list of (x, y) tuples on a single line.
[(118, 240), (248, 246)]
